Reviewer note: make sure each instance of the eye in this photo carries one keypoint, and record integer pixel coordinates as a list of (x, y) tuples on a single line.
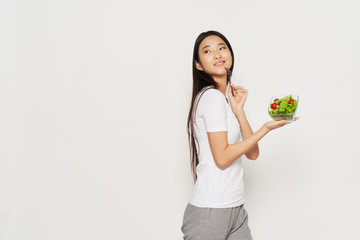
[(222, 48), (206, 51)]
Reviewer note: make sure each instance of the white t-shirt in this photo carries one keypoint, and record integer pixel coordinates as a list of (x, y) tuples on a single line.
[(214, 187)]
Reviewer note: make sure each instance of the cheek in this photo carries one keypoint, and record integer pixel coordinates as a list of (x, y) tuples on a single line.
[(205, 62), (230, 60)]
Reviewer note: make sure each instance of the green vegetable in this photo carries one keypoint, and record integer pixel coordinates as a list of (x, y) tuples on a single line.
[(285, 108)]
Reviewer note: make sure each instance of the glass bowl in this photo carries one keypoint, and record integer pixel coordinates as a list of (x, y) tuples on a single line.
[(283, 114)]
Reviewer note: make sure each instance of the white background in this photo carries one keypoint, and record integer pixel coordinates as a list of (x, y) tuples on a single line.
[(94, 97)]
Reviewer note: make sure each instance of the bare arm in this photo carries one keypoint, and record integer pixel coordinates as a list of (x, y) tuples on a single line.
[(225, 154), (246, 132), (237, 101)]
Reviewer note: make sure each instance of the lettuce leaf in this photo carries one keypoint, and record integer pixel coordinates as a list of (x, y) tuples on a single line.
[(283, 106)]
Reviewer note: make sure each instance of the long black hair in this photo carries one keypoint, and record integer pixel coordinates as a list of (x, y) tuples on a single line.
[(200, 80)]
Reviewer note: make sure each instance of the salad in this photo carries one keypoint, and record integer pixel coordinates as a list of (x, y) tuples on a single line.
[(283, 108)]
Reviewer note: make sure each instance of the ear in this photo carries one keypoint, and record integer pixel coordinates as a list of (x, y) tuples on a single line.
[(198, 66)]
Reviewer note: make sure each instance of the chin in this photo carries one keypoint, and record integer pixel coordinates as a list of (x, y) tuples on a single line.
[(220, 73), (219, 70)]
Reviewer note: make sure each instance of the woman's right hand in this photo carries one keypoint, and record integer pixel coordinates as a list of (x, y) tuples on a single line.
[(276, 124)]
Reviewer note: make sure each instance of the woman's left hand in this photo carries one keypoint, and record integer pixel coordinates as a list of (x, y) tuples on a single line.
[(237, 102)]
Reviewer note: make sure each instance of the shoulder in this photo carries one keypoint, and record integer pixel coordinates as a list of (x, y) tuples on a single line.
[(211, 95), (211, 101)]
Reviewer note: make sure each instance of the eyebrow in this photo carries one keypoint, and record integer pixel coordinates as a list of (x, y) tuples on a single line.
[(209, 45)]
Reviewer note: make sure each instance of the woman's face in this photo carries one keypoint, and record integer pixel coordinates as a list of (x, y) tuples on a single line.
[(214, 56)]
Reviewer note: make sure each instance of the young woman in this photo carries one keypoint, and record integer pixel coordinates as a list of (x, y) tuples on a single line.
[(219, 135)]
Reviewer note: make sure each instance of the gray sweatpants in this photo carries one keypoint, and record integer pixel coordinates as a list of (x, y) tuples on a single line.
[(215, 223)]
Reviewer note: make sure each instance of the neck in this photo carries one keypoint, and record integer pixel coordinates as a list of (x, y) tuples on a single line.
[(221, 81)]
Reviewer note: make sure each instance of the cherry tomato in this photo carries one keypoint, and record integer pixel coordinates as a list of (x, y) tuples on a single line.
[(276, 99), (291, 101), (273, 106)]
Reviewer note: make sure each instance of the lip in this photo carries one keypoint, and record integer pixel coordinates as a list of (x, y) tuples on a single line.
[(219, 64)]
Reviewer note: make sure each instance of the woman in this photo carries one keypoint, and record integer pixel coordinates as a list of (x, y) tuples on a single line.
[(219, 135)]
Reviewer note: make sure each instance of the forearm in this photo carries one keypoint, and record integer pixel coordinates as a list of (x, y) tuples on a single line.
[(246, 132), (245, 128), (236, 150)]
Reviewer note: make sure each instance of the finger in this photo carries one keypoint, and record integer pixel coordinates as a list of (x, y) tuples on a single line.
[(232, 86), (240, 90), (281, 123), (243, 90), (236, 87)]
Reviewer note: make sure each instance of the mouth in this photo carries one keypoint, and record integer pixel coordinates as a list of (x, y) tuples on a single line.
[(219, 64)]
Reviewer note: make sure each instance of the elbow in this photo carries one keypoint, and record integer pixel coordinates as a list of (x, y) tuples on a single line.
[(220, 164), (252, 157), (223, 164)]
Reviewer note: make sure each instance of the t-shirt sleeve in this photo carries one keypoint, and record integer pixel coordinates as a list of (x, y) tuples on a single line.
[(214, 111)]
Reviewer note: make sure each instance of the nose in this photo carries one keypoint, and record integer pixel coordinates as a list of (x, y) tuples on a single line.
[(217, 55)]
